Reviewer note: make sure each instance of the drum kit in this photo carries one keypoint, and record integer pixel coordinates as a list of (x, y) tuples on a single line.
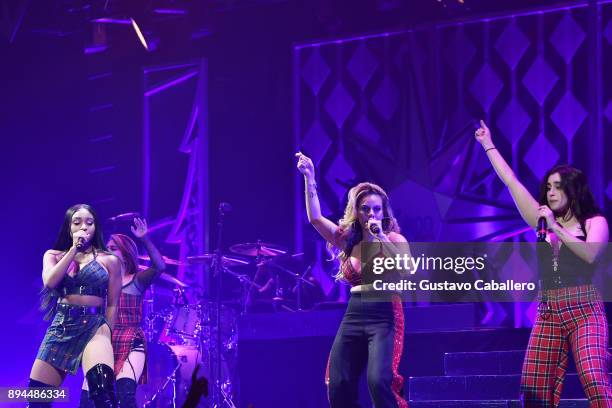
[(181, 334)]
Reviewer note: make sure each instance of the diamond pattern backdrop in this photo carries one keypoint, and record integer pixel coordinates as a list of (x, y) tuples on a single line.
[(400, 109)]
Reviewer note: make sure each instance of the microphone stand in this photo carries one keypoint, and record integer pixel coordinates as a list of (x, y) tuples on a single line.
[(299, 288), (217, 269)]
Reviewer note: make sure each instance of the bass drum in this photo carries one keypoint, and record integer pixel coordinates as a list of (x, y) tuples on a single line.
[(183, 325), (162, 361)]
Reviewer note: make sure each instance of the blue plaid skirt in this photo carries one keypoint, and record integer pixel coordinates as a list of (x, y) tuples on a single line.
[(65, 340)]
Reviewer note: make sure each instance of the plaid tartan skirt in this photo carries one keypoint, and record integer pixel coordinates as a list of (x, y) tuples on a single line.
[(123, 340), (65, 339), (568, 318)]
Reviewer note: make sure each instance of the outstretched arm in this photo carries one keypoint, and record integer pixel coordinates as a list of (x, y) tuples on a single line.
[(326, 228), (146, 277), (524, 201)]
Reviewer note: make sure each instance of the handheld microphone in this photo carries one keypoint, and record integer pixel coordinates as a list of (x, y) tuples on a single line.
[(124, 216), (374, 229), (541, 229), (80, 242)]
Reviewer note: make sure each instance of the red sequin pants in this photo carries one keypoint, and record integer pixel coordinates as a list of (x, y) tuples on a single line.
[(572, 318)]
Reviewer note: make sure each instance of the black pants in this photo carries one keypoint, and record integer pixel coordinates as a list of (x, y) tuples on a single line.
[(372, 334)]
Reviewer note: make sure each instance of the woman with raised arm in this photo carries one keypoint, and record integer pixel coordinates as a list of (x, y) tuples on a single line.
[(82, 283), (371, 333), (129, 341), (571, 314)]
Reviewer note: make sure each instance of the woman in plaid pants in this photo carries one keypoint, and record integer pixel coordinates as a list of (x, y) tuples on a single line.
[(129, 342), (571, 313)]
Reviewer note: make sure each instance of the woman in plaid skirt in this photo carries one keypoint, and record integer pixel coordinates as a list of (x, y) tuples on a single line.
[(82, 283), (129, 342), (571, 313)]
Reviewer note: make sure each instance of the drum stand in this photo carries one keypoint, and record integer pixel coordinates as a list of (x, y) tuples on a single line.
[(227, 398), (298, 287), (245, 288), (170, 379), (219, 397), (300, 280)]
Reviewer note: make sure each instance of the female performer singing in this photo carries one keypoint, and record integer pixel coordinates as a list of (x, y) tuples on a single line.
[(82, 284), (371, 332), (571, 314)]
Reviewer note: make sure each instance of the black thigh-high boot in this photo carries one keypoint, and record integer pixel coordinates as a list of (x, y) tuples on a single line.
[(85, 402), (101, 382), (126, 392), (33, 384)]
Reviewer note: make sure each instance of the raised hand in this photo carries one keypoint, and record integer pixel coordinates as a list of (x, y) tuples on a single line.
[(139, 229), (199, 384), (305, 165), (483, 135), (197, 388)]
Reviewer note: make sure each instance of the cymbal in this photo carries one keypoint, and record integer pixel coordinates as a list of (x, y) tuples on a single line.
[(258, 249), (288, 258), (209, 258), (171, 279), (166, 259), (166, 277)]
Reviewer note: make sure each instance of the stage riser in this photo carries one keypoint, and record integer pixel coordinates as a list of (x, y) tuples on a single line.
[(490, 363), (582, 403), (282, 359), (281, 325), (276, 368), (486, 387)]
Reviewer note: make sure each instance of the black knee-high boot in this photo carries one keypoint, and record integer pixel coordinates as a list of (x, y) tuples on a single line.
[(126, 392), (101, 382), (85, 402), (33, 384)]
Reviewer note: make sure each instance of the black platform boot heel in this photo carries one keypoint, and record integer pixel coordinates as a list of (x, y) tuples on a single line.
[(101, 382)]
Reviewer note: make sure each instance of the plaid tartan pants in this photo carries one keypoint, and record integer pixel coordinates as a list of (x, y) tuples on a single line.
[(570, 318)]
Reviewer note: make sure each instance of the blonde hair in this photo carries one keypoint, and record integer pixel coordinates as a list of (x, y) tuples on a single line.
[(349, 229)]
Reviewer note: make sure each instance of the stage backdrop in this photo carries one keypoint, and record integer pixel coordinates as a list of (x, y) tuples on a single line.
[(400, 109)]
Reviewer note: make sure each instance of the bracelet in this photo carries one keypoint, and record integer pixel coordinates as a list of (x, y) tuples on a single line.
[(490, 148)]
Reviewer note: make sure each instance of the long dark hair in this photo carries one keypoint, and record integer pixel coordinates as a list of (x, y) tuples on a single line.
[(63, 241), (574, 184)]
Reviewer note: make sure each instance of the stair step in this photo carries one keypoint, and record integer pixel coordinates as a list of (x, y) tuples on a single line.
[(567, 403), (479, 387), (483, 363), (489, 363)]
